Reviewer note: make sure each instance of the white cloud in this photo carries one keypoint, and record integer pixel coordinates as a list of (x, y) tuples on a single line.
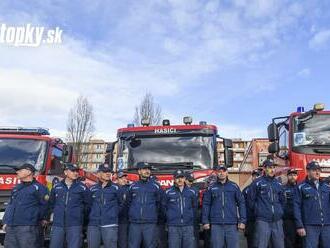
[(38, 86), (240, 131), (304, 72), (320, 40), (155, 45)]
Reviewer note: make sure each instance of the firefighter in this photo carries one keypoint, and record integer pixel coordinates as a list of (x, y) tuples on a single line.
[(266, 198), (26, 209), (312, 208), (190, 183), (206, 232), (179, 205), (219, 213), (123, 214), (69, 201), (144, 203), (105, 206), (291, 239), (249, 230)]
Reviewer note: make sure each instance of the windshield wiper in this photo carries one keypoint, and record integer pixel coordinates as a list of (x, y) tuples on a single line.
[(318, 148), (322, 150), (169, 166), (178, 165), (6, 169)]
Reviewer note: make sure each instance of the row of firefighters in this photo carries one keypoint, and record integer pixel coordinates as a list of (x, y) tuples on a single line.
[(143, 215)]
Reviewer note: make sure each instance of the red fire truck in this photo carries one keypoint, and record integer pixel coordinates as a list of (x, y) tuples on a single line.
[(30, 145), (300, 138), (167, 148)]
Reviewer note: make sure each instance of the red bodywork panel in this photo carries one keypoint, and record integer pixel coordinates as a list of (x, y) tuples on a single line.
[(8, 181), (177, 127), (300, 160), (166, 180)]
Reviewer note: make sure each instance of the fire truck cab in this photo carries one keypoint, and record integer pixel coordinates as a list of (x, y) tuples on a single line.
[(167, 148), (300, 138), (20, 145)]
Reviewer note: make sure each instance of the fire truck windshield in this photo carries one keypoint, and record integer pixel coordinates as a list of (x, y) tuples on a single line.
[(312, 132), (168, 151), (15, 152)]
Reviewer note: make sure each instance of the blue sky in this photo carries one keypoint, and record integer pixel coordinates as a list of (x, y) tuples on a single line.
[(233, 63)]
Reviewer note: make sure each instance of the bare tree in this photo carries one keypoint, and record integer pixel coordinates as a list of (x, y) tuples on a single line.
[(148, 109), (80, 125)]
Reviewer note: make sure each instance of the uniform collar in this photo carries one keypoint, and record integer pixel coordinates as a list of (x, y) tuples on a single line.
[(73, 183), (145, 181), (178, 189), (226, 182), (312, 182), (30, 182), (108, 184), (269, 178)]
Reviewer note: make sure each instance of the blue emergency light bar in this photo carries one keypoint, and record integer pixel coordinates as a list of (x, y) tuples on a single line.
[(300, 109), (23, 130)]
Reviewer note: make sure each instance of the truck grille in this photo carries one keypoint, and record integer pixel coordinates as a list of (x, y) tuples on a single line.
[(4, 197)]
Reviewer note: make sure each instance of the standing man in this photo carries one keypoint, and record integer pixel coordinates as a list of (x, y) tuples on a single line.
[(190, 183), (249, 231), (291, 238), (123, 213), (144, 203), (105, 205), (265, 196), (179, 205), (70, 201), (312, 209), (220, 204), (26, 208)]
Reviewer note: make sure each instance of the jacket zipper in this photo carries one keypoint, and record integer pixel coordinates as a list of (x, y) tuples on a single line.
[(272, 198), (223, 203), (181, 206), (141, 210), (66, 204), (102, 197), (320, 203)]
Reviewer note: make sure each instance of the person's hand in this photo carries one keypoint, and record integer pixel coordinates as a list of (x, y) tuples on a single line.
[(206, 226), (4, 227), (241, 226), (301, 232)]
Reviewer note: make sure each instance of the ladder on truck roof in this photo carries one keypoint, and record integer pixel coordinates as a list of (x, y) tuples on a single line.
[(24, 130)]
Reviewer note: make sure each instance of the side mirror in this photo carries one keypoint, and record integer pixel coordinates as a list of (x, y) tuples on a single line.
[(67, 153), (109, 153), (228, 143), (110, 147), (229, 157), (56, 167), (273, 148), (272, 132)]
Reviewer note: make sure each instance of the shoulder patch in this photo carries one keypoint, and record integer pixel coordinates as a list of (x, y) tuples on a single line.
[(234, 184), (168, 190), (94, 188), (36, 187), (155, 184), (83, 187), (193, 191), (301, 185)]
